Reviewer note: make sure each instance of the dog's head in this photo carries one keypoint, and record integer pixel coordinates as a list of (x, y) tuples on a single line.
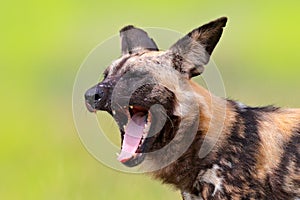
[(143, 89)]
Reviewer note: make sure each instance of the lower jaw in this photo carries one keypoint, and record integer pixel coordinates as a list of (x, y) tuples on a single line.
[(136, 160)]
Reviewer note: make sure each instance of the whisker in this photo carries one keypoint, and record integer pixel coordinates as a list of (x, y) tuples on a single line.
[(168, 117)]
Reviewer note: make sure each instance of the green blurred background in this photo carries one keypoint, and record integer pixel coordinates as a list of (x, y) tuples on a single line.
[(43, 44)]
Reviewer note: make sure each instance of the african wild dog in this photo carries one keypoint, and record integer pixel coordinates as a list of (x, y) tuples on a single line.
[(254, 151)]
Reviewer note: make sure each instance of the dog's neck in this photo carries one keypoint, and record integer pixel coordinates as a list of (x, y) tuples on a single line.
[(215, 116), (214, 110)]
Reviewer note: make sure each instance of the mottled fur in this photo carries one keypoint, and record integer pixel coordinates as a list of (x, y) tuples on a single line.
[(254, 152)]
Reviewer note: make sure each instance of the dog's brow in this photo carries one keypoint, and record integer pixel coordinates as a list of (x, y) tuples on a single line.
[(120, 64), (117, 64)]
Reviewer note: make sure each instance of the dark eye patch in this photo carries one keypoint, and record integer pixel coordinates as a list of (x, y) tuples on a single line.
[(131, 72)]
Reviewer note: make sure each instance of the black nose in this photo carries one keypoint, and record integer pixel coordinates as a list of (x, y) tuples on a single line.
[(93, 94), (93, 97)]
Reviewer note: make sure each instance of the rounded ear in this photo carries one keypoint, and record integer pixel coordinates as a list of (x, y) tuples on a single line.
[(134, 40), (193, 51)]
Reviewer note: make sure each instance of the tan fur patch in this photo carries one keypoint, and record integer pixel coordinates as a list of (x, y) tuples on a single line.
[(275, 129), (216, 118)]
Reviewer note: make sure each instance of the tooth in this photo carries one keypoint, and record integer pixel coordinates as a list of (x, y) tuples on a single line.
[(131, 107), (114, 112), (124, 127), (117, 154), (146, 129)]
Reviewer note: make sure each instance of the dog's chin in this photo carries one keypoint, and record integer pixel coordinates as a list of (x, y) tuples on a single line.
[(135, 160)]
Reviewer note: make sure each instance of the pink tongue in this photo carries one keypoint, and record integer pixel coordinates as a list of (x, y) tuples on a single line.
[(133, 136)]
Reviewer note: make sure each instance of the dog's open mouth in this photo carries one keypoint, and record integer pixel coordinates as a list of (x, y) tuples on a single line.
[(134, 136)]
